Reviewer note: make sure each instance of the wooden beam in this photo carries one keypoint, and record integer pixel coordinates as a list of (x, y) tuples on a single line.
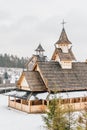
[(47, 102), (21, 104), (29, 104), (15, 102), (8, 100)]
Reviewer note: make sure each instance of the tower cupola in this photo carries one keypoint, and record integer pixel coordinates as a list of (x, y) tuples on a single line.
[(63, 51), (40, 50), (63, 42)]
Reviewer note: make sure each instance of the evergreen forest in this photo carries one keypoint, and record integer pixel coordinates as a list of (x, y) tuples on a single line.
[(12, 61)]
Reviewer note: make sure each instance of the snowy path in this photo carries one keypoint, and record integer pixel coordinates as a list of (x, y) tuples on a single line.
[(11, 119)]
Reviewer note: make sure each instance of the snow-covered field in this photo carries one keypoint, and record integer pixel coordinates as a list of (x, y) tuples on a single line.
[(11, 119), (13, 74)]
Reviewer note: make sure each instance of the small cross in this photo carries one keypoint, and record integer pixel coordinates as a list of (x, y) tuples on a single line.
[(63, 23)]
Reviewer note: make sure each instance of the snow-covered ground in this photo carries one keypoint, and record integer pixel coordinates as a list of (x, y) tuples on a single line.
[(13, 73), (11, 119)]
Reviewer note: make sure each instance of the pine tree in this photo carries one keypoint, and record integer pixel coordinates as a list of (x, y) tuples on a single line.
[(82, 120), (59, 118), (12, 61), (6, 75), (70, 115)]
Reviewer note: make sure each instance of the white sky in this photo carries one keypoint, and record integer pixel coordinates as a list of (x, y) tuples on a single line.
[(26, 23)]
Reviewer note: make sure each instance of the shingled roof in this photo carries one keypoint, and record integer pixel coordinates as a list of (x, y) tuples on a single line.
[(64, 79), (63, 39), (50, 76), (34, 80), (65, 56), (41, 58)]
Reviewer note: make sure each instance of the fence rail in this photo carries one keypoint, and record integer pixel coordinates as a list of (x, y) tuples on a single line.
[(7, 87)]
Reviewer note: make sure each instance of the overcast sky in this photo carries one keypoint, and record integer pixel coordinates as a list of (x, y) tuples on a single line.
[(26, 23)]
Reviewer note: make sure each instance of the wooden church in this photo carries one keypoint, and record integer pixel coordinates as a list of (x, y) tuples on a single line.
[(42, 78)]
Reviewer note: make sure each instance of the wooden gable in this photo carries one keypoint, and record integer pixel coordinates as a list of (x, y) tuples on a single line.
[(22, 83), (32, 81), (31, 63)]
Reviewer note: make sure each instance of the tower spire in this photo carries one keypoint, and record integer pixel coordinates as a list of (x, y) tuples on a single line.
[(63, 39), (63, 23)]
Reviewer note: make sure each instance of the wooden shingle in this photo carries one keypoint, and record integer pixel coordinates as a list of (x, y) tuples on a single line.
[(65, 79)]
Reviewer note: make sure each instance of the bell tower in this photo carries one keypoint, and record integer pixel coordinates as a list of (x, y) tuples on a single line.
[(63, 52), (63, 42)]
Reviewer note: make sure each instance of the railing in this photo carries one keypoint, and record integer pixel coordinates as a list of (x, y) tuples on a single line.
[(7, 85)]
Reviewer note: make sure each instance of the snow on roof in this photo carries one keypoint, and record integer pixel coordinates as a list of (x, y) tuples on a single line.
[(16, 93), (46, 95), (69, 95), (42, 95)]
